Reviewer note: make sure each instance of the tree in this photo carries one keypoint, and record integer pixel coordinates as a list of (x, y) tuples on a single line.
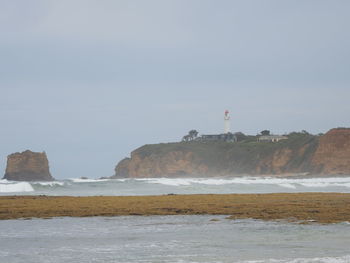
[(186, 138), (265, 132), (240, 136), (192, 134)]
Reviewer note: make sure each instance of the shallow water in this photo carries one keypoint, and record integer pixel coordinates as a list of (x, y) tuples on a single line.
[(170, 239), (159, 186)]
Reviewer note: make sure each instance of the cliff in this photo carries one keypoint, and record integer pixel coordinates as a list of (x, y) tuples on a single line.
[(301, 153), (333, 153), (28, 166)]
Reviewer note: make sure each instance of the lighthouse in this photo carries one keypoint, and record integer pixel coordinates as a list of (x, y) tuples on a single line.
[(227, 122)]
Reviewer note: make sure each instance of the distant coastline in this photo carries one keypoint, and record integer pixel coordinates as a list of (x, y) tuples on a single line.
[(297, 154)]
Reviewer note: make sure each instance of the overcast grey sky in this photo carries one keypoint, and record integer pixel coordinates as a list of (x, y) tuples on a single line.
[(89, 81)]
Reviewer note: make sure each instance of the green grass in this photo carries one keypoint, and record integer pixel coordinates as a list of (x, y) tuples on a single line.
[(240, 157)]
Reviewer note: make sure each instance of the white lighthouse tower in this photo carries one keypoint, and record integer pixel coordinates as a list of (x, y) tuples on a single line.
[(227, 122)]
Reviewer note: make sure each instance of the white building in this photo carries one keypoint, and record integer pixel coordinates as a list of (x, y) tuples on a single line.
[(227, 122), (271, 138)]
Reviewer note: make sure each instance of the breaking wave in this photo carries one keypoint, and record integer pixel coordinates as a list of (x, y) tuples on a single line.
[(15, 187), (159, 186), (54, 183), (87, 180), (291, 183)]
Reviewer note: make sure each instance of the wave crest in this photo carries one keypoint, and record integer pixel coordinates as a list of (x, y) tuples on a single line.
[(81, 180), (291, 183), (54, 183), (11, 187)]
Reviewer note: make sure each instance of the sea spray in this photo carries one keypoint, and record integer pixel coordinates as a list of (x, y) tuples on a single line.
[(15, 187), (160, 186)]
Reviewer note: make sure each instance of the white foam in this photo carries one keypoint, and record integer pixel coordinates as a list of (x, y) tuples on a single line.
[(10, 187), (341, 259), (212, 181), (81, 180), (121, 180), (167, 181), (49, 183), (282, 182)]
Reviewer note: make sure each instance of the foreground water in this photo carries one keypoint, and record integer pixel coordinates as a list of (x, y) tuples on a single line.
[(170, 239), (159, 186)]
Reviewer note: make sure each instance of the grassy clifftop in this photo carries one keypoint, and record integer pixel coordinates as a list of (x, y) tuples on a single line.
[(198, 158)]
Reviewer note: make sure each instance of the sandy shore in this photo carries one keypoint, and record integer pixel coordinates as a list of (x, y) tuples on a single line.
[(304, 207)]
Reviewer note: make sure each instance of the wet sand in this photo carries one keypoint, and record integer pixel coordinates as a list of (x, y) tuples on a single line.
[(299, 207)]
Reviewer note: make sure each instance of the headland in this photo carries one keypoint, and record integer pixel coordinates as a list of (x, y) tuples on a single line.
[(297, 153)]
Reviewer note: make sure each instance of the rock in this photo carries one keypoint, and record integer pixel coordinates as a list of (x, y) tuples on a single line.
[(28, 166), (301, 154), (333, 153), (171, 164)]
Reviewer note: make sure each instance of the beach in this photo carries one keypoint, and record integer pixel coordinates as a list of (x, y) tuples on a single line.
[(297, 207)]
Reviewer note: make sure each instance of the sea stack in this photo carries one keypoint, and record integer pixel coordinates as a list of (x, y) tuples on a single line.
[(28, 166)]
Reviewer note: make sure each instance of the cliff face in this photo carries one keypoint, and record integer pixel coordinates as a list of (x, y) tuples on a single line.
[(173, 164), (301, 153), (333, 153), (28, 166)]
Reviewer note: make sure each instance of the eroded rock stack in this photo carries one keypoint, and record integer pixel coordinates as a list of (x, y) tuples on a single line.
[(28, 166)]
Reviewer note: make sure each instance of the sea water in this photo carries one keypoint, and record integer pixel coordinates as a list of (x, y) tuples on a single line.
[(161, 186), (171, 239)]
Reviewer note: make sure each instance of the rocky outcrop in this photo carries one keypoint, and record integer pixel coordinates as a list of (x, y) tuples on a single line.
[(173, 164), (302, 153), (333, 153), (28, 166)]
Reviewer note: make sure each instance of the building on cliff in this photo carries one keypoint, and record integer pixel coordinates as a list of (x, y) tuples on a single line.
[(225, 137), (227, 124), (302, 154), (271, 138)]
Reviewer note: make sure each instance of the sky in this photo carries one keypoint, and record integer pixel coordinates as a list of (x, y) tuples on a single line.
[(89, 81)]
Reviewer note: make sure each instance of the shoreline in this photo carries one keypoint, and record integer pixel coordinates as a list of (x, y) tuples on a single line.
[(294, 207), (229, 176)]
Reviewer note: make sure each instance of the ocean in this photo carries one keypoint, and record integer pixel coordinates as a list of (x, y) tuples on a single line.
[(179, 239), (161, 186), (182, 239)]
